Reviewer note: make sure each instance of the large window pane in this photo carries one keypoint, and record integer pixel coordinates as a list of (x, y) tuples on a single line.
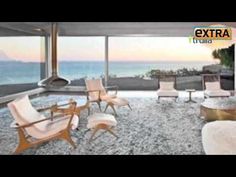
[(134, 62), (22, 62), (81, 57)]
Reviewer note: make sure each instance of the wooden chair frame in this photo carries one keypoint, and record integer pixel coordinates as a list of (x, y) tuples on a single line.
[(113, 107), (25, 143), (104, 127), (99, 100)]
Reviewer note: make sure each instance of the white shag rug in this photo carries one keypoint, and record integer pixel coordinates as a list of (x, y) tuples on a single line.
[(150, 128)]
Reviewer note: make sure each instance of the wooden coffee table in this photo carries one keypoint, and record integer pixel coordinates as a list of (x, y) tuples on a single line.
[(81, 104), (218, 109)]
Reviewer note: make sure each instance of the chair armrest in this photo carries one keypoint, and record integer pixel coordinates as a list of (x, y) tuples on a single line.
[(65, 111), (30, 124), (56, 105), (89, 91), (69, 103), (115, 86), (36, 122), (44, 109)]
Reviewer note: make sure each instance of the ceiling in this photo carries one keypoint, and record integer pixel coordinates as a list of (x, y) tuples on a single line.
[(171, 29)]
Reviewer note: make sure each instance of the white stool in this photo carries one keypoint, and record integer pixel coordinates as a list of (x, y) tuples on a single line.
[(101, 121)]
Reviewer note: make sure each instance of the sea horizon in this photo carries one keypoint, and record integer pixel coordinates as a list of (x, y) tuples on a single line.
[(29, 72)]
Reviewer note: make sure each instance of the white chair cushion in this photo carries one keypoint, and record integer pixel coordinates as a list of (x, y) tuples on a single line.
[(166, 85), (50, 128), (101, 118), (118, 101), (219, 137), (213, 85), (107, 97), (24, 113), (25, 110), (95, 84), (217, 93), (169, 93)]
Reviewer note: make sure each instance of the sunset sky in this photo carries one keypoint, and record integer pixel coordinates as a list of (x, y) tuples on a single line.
[(120, 49)]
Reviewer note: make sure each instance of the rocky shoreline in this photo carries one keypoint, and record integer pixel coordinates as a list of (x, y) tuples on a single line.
[(126, 83)]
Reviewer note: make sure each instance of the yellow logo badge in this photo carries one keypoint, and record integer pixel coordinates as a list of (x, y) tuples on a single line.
[(212, 33)]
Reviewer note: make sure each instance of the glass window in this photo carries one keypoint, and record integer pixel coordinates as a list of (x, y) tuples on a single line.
[(81, 57), (135, 62), (22, 62)]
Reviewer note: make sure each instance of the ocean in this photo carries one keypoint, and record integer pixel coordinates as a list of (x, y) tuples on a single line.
[(20, 72)]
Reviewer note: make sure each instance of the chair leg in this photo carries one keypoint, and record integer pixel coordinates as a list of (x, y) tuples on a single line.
[(23, 143), (99, 105), (158, 99), (112, 106), (129, 107), (106, 107), (94, 132), (176, 99), (20, 148), (88, 111), (66, 136), (110, 131)]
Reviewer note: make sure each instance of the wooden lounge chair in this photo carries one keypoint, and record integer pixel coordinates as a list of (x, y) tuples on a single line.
[(34, 128), (167, 86), (96, 92), (211, 84)]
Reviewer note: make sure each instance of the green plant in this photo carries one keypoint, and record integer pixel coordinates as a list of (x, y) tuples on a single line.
[(225, 55)]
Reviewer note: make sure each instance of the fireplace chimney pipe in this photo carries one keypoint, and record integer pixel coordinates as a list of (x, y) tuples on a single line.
[(54, 80)]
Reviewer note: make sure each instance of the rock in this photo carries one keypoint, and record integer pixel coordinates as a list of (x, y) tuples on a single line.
[(215, 68)]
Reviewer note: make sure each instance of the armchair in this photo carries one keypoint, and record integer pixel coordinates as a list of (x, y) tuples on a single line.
[(96, 92), (211, 84), (34, 128)]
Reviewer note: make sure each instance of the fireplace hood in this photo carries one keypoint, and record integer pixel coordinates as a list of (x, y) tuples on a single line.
[(54, 80)]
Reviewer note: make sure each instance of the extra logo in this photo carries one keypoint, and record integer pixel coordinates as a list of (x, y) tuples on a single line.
[(212, 33), (206, 34)]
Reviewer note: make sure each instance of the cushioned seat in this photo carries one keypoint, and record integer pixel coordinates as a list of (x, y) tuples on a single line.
[(168, 93), (25, 113), (119, 101), (219, 137), (50, 128), (101, 118), (96, 92), (213, 89), (167, 88), (217, 93), (108, 97), (99, 121), (30, 121)]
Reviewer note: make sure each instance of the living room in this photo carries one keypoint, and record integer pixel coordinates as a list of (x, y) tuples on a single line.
[(144, 84)]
